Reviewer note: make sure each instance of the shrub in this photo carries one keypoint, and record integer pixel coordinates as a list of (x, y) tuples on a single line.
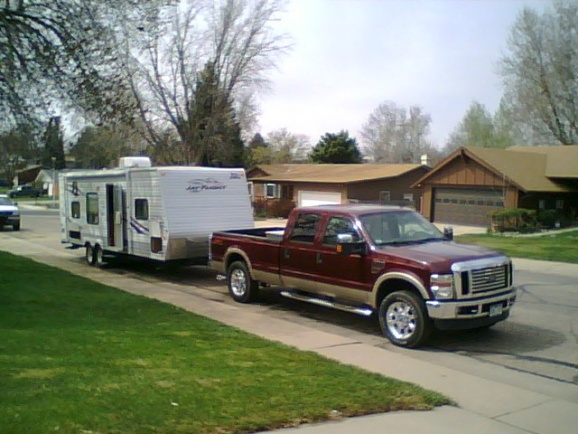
[(273, 207), (551, 218), (514, 219)]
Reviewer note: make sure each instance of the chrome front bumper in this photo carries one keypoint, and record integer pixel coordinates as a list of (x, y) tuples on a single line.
[(471, 309)]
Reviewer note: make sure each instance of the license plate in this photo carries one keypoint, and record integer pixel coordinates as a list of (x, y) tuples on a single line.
[(496, 309)]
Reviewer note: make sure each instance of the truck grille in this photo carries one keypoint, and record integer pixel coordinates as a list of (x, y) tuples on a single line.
[(5, 213), (489, 279)]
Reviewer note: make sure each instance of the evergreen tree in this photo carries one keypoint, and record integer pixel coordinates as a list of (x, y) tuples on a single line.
[(336, 149), (211, 133), (53, 156)]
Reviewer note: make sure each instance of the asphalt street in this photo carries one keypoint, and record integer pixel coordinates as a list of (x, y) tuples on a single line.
[(540, 338)]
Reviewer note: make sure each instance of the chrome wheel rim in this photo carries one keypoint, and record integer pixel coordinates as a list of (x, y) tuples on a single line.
[(238, 282), (401, 320)]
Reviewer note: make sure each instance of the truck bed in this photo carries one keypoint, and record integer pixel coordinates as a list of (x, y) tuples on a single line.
[(271, 233)]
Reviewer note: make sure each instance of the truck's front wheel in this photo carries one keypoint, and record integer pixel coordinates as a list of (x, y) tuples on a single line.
[(242, 287), (404, 320)]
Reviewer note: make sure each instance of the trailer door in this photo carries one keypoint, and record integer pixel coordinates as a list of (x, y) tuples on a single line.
[(116, 226)]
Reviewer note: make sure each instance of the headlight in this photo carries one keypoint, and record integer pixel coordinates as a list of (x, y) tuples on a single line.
[(442, 285)]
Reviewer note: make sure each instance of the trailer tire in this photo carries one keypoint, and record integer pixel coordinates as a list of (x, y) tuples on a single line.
[(97, 256), (242, 288), (89, 254), (404, 320)]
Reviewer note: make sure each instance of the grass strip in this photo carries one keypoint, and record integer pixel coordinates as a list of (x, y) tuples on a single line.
[(77, 356), (559, 247)]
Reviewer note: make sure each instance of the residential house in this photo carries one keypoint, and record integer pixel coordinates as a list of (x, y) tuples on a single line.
[(472, 182), (278, 188)]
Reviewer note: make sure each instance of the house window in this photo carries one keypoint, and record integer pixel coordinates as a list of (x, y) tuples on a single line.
[(384, 197), (92, 208), (141, 209), (271, 191), (559, 204), (305, 228), (250, 188), (408, 197), (75, 210), (542, 204), (286, 192)]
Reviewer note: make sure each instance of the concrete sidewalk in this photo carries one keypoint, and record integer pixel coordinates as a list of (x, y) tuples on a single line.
[(500, 401)]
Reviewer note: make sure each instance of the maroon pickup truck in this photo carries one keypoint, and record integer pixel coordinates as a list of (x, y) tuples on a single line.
[(366, 259)]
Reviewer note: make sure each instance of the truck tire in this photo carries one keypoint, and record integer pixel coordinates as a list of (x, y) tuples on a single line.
[(16, 226), (403, 319), (242, 288), (89, 254)]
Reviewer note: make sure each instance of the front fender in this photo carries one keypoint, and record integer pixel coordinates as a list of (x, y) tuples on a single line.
[(410, 278)]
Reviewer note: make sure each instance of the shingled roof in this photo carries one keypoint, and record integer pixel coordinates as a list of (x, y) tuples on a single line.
[(528, 168), (331, 173)]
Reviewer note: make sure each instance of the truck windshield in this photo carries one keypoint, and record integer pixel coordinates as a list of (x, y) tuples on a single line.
[(399, 227)]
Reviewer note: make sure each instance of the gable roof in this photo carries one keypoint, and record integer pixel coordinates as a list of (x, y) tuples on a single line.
[(528, 168), (329, 173), (561, 161)]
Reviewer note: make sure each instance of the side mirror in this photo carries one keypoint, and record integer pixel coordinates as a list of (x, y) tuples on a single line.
[(449, 232), (347, 246)]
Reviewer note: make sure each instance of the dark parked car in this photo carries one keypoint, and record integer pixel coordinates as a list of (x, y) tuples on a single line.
[(25, 191)]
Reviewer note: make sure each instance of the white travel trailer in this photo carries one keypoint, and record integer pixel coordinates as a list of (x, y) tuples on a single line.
[(160, 213)]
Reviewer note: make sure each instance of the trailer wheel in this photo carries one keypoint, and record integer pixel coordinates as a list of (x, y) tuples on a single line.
[(89, 254), (97, 256), (242, 288), (403, 319)]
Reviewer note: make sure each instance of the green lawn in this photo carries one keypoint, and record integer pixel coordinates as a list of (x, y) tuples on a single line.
[(80, 357), (562, 247)]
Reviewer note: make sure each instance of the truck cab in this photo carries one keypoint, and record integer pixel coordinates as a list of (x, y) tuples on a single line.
[(373, 259)]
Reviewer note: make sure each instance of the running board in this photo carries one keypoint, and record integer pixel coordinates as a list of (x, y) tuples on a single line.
[(365, 311)]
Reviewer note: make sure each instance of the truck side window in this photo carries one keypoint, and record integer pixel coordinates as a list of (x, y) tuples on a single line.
[(305, 228), (337, 226), (92, 208)]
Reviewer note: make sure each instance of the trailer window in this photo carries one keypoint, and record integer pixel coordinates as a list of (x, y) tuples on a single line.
[(141, 209), (75, 209), (92, 208)]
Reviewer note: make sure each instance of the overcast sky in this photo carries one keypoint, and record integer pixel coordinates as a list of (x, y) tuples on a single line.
[(351, 55)]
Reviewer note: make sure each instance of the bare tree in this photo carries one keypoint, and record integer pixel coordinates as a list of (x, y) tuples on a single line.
[(58, 52), (287, 147), (540, 73), (229, 40), (476, 129), (393, 134)]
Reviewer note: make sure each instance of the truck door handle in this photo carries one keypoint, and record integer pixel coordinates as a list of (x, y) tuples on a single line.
[(286, 253), (318, 258)]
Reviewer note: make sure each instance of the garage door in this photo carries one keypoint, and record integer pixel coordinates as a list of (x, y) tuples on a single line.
[(466, 206), (312, 198)]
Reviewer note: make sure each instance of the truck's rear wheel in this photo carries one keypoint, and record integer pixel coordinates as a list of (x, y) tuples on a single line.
[(404, 320), (242, 288)]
